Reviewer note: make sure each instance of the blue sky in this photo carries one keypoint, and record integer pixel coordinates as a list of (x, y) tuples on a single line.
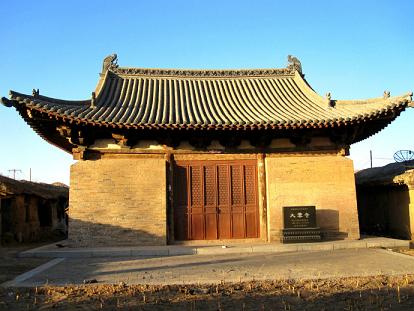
[(353, 49)]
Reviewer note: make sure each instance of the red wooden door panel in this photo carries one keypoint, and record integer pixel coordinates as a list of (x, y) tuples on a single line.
[(215, 200), (223, 206), (196, 203), (251, 209), (210, 202), (237, 206)]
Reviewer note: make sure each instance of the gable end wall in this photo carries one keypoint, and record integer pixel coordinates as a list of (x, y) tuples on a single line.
[(118, 202)]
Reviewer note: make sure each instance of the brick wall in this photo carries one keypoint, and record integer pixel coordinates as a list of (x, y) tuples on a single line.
[(118, 201), (326, 181)]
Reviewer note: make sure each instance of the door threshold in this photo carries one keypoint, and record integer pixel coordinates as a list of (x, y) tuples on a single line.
[(219, 242)]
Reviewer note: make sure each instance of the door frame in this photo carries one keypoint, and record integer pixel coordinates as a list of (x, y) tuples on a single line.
[(215, 162)]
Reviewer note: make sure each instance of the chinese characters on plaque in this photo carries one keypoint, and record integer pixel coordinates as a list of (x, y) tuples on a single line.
[(296, 217), (300, 225)]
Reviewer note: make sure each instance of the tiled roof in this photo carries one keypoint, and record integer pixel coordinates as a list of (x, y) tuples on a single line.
[(212, 99), (9, 187), (400, 173), (169, 98)]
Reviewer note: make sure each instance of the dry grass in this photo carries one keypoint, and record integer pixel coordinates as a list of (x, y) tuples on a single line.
[(357, 293)]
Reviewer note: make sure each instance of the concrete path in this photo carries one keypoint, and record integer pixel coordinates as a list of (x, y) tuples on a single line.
[(225, 267), (53, 251)]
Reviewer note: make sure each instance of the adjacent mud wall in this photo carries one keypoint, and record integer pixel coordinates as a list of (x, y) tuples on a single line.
[(384, 210)]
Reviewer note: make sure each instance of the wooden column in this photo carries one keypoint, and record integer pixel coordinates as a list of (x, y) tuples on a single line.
[(261, 165), (170, 197)]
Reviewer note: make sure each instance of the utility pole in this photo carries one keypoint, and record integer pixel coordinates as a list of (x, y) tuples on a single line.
[(30, 174), (370, 157), (14, 172)]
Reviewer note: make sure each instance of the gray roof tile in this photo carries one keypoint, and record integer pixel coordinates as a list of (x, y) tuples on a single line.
[(136, 97)]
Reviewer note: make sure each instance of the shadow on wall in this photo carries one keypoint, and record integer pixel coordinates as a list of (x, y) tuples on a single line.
[(384, 210), (28, 218), (89, 234), (328, 221)]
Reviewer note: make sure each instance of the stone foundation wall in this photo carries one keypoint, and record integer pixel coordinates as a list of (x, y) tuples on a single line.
[(118, 201), (325, 181)]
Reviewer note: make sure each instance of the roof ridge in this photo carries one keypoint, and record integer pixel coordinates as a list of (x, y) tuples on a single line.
[(214, 73), (110, 64)]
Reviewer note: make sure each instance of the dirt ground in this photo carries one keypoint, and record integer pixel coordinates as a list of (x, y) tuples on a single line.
[(361, 293), (12, 266)]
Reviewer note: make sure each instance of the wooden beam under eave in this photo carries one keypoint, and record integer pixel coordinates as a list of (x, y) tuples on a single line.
[(78, 153)]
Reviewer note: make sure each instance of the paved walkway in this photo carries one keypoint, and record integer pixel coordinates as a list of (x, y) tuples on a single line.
[(53, 251), (220, 267)]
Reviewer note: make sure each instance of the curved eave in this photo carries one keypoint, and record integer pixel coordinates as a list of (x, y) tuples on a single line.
[(326, 114), (370, 127), (375, 126), (24, 106), (47, 133), (381, 118), (381, 109), (34, 99), (54, 139), (374, 103)]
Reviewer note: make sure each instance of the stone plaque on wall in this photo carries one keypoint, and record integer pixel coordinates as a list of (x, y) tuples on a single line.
[(296, 217)]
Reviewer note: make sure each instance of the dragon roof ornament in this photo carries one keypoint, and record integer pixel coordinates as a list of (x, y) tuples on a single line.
[(294, 63), (110, 62)]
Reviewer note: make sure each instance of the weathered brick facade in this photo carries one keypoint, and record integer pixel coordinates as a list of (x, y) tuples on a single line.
[(118, 201), (325, 181), (121, 199)]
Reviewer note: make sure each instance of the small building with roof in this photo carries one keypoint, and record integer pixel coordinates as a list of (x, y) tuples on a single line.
[(31, 211), (385, 197), (174, 156)]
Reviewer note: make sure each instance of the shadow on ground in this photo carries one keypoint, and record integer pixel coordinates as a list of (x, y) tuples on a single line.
[(91, 234)]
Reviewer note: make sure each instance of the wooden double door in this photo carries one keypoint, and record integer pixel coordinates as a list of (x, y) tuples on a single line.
[(215, 200)]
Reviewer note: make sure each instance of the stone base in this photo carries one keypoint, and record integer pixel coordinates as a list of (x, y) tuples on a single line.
[(304, 235)]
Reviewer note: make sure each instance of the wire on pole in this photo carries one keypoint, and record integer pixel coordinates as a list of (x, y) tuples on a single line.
[(14, 172)]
